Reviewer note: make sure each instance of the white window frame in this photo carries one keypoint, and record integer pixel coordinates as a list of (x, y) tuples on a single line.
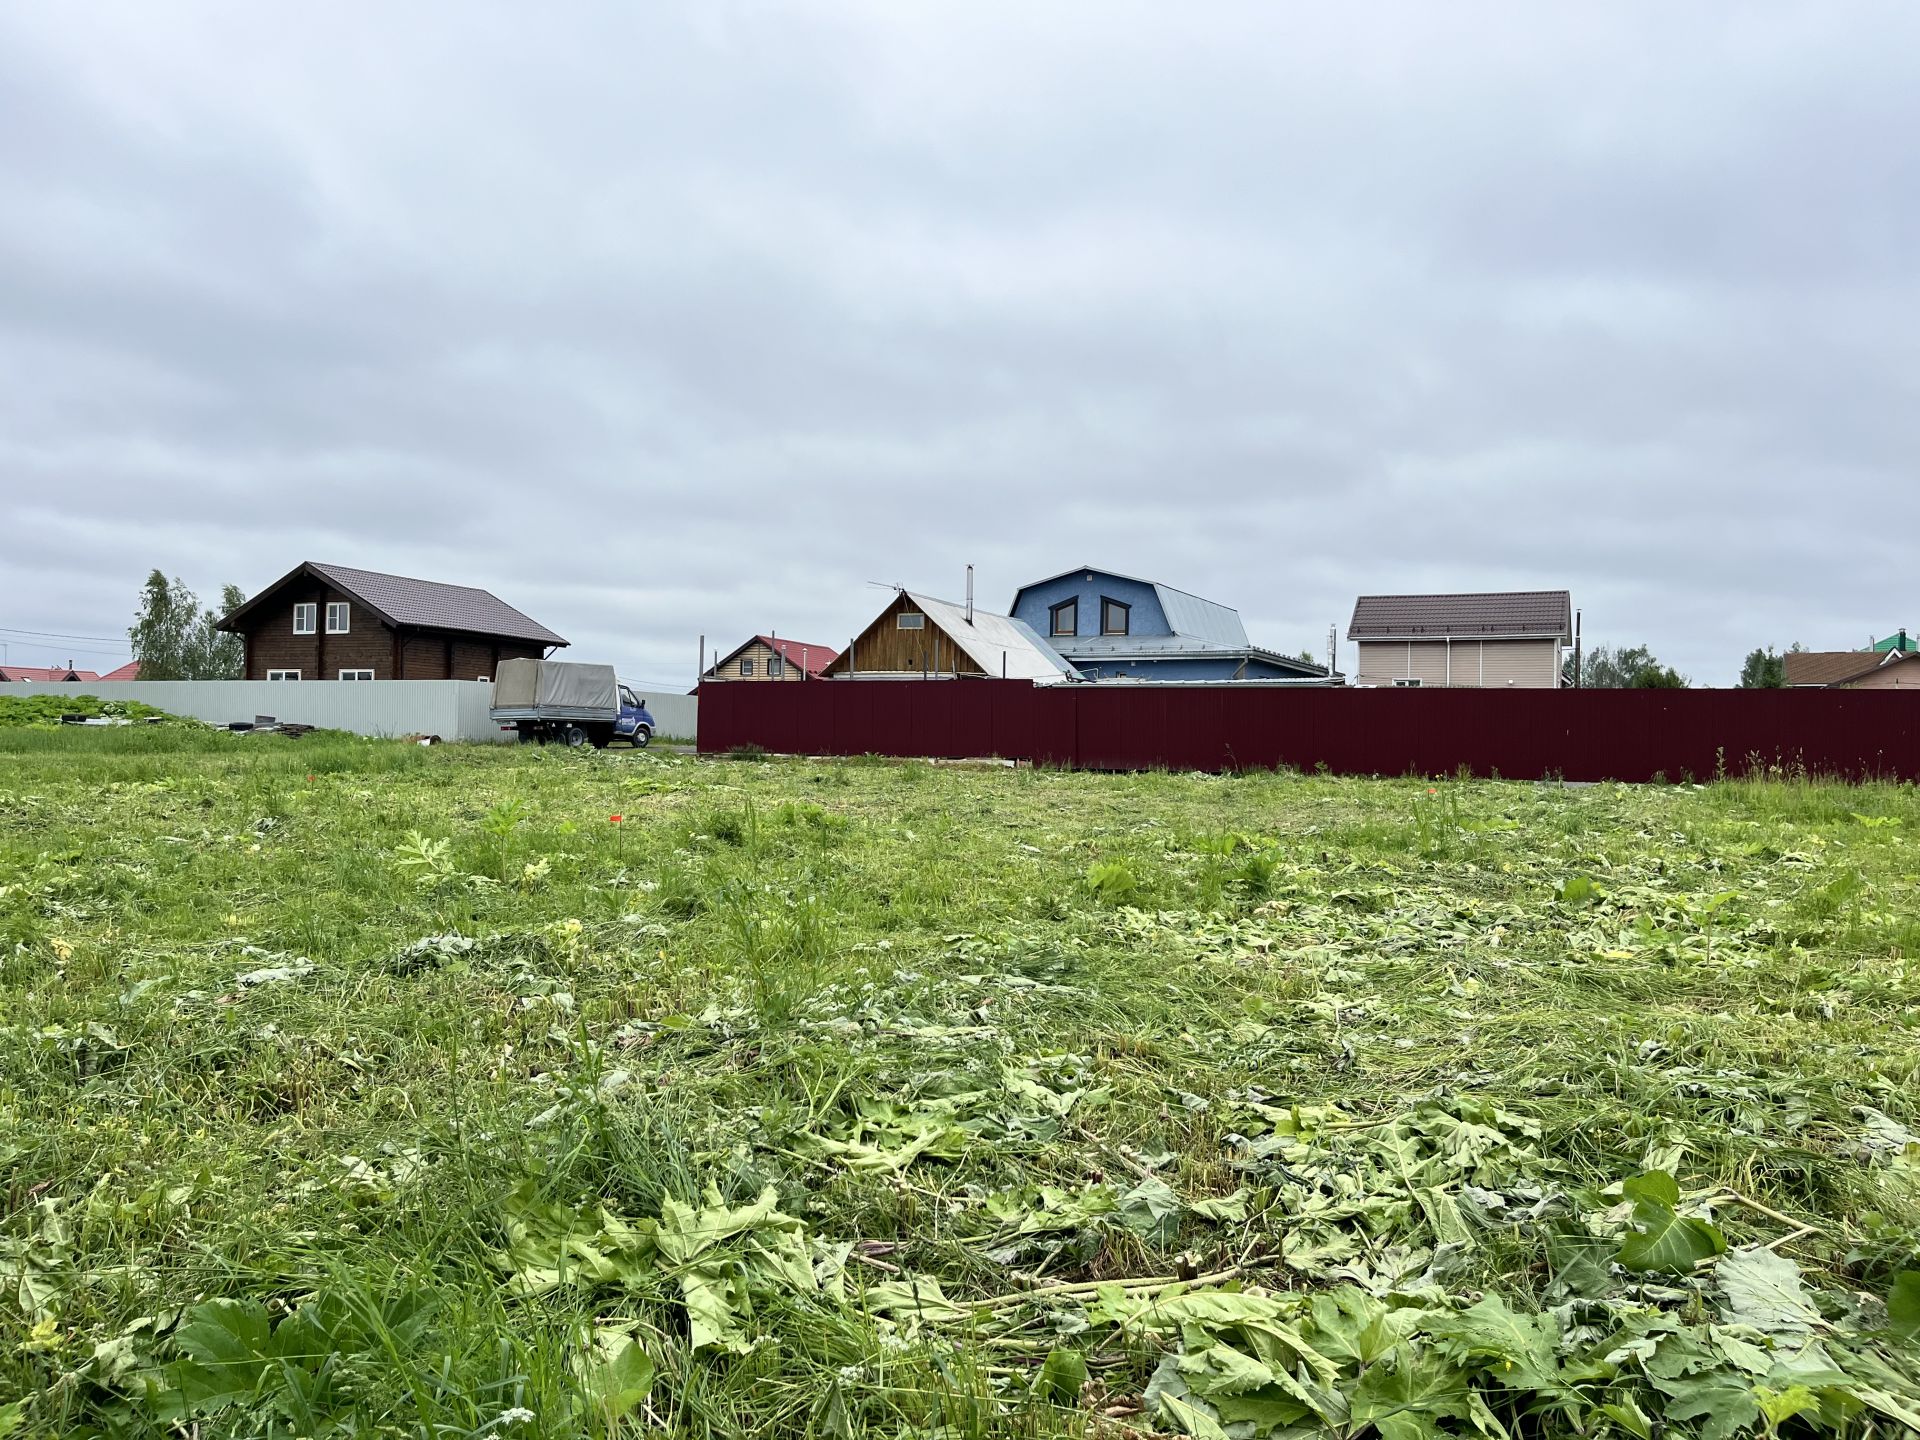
[(776, 668), (346, 617), (746, 667), (1406, 682), (283, 674), (309, 613), (358, 673), (910, 620)]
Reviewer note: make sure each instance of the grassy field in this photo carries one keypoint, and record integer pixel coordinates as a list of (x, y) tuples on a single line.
[(348, 1087)]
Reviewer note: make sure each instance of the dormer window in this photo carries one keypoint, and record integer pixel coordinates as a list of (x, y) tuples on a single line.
[(1064, 618), (1114, 616)]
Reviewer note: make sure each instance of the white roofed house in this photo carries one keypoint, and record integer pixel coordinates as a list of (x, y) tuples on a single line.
[(1486, 640), (921, 637)]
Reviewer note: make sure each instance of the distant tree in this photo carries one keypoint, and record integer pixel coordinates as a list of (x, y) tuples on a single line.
[(173, 639), (1765, 670), (1629, 667), (222, 656)]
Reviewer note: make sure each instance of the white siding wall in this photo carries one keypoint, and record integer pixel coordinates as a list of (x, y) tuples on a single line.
[(451, 709), (1468, 664)]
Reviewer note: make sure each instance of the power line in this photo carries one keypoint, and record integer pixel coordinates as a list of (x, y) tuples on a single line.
[(55, 635)]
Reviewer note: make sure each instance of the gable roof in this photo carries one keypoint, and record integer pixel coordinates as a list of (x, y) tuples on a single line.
[(1900, 640), (800, 653), (996, 643), (1503, 614), (1821, 668), (420, 604), (1188, 615), (128, 671), (50, 674)]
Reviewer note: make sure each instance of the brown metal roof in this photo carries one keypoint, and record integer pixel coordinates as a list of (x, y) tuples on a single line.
[(1505, 613), (424, 604), (1835, 667)]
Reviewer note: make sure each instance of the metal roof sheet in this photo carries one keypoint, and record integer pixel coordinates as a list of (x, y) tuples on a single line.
[(1189, 614), (1509, 613), (998, 644), (1835, 667), (428, 604)]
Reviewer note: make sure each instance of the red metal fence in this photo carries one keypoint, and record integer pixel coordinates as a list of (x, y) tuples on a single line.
[(1521, 734)]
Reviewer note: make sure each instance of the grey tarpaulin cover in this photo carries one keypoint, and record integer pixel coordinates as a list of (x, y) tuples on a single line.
[(555, 690)]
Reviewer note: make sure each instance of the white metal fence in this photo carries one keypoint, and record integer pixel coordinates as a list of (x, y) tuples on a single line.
[(450, 709)]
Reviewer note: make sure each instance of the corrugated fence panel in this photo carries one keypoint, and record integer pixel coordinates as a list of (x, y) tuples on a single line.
[(1532, 734)]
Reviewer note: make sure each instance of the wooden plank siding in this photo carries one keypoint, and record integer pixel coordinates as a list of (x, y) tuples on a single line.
[(884, 648), (758, 655), (369, 644)]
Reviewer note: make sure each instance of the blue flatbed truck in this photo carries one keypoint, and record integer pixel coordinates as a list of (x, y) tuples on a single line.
[(562, 703)]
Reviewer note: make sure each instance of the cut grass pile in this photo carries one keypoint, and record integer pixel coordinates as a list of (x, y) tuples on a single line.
[(20, 711), (350, 1087)]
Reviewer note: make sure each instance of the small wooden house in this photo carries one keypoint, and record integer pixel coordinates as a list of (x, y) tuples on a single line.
[(333, 622), (920, 637), (767, 657)]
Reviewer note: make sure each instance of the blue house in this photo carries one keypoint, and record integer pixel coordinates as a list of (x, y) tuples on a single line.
[(1114, 627)]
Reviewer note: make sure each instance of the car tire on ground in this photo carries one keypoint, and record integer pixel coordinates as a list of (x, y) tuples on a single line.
[(642, 736), (574, 736)]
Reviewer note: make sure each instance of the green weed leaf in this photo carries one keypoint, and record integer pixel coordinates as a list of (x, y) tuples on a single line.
[(1903, 1304), (615, 1376), (1659, 1237), (1062, 1377)]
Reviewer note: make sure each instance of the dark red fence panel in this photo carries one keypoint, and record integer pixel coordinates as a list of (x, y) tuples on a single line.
[(1521, 734)]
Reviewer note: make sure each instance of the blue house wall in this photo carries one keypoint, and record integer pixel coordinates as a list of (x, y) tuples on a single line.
[(1035, 606), (1210, 642), (1193, 667)]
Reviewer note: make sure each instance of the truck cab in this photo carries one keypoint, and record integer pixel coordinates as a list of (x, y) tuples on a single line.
[(634, 722)]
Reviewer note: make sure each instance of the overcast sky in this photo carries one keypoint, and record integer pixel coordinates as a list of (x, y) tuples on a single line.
[(658, 320)]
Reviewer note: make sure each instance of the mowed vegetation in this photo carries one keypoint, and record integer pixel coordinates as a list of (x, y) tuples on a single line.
[(350, 1087)]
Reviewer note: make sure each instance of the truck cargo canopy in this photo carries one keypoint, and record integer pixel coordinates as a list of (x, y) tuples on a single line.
[(557, 688)]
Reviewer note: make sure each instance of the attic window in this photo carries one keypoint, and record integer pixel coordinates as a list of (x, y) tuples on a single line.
[(910, 620), (746, 667), (337, 613), (1114, 616), (776, 668), (1064, 618), (304, 618)]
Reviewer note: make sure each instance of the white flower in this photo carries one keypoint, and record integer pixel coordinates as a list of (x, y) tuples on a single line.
[(518, 1415)]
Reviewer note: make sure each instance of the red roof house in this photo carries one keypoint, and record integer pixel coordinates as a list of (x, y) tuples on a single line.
[(766, 657), (47, 674)]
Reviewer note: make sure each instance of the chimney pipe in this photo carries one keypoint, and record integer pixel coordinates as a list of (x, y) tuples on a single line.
[(969, 594)]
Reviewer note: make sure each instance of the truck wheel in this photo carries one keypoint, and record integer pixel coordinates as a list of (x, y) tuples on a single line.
[(574, 736), (642, 734)]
